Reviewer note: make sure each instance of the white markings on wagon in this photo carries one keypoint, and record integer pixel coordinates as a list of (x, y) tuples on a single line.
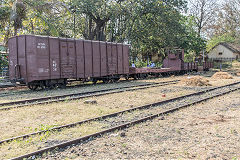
[(40, 70), (41, 45), (54, 66)]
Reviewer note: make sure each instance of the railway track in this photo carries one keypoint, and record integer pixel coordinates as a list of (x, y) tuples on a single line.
[(75, 96), (4, 94), (121, 120), (7, 86)]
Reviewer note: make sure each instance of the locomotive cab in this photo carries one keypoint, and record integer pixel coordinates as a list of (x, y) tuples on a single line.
[(174, 59)]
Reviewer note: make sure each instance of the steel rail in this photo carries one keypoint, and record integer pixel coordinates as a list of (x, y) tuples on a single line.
[(7, 86), (114, 114), (3, 94), (83, 84), (75, 96), (122, 126)]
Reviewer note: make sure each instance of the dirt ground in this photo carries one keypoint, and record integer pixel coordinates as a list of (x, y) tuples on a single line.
[(25, 120), (29, 119), (17, 95), (210, 130)]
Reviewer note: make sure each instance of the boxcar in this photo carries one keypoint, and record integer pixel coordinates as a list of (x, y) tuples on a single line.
[(41, 61)]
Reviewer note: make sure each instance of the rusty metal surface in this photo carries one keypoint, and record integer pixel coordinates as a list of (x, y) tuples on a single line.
[(103, 50), (174, 61), (42, 58)]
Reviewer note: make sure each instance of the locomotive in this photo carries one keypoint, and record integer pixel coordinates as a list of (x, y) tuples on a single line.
[(48, 62)]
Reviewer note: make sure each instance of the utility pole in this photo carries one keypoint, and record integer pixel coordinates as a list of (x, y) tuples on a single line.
[(203, 56)]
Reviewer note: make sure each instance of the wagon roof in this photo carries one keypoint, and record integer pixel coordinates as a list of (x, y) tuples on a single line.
[(68, 39)]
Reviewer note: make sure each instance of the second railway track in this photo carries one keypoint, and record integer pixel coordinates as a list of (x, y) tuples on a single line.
[(60, 98), (121, 120)]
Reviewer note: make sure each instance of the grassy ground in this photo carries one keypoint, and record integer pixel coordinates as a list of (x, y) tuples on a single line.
[(206, 131), (24, 120), (29, 119), (37, 94), (232, 67)]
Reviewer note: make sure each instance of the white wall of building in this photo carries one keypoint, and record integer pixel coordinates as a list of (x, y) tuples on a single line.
[(226, 53)]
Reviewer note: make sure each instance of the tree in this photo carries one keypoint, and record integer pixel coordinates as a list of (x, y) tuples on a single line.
[(226, 27), (229, 19), (155, 25), (97, 13), (203, 12), (149, 26)]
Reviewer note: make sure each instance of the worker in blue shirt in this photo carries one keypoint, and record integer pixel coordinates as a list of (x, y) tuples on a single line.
[(152, 65)]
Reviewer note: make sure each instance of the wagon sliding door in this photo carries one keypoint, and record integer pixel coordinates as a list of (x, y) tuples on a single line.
[(68, 59)]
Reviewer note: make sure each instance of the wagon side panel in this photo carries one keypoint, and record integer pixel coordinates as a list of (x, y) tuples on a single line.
[(88, 59), (125, 59), (109, 59), (80, 58), (71, 58), (114, 58), (54, 58), (103, 51), (22, 57), (31, 59), (43, 68), (67, 56), (120, 58), (13, 58), (96, 59)]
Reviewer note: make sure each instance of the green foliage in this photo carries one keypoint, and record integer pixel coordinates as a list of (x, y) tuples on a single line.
[(149, 26), (140, 64), (191, 41), (44, 127), (3, 60), (4, 13)]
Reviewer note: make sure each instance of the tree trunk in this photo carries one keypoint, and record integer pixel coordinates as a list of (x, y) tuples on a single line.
[(15, 30)]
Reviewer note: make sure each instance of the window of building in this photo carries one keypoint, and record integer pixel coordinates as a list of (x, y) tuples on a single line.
[(220, 53)]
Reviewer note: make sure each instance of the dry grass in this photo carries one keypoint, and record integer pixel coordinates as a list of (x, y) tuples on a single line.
[(36, 94), (17, 148), (46, 116), (195, 81), (24, 120), (206, 131), (13, 88), (222, 75), (236, 65)]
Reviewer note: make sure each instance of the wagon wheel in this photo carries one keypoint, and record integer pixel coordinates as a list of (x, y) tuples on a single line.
[(32, 87), (94, 81), (51, 86), (135, 77), (105, 80), (116, 79), (62, 85)]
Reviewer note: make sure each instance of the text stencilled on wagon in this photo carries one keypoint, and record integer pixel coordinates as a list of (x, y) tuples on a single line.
[(41, 45)]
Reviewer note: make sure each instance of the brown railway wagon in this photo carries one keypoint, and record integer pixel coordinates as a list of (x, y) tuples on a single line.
[(45, 61)]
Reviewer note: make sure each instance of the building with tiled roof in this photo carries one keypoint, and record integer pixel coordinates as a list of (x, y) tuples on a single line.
[(225, 51)]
